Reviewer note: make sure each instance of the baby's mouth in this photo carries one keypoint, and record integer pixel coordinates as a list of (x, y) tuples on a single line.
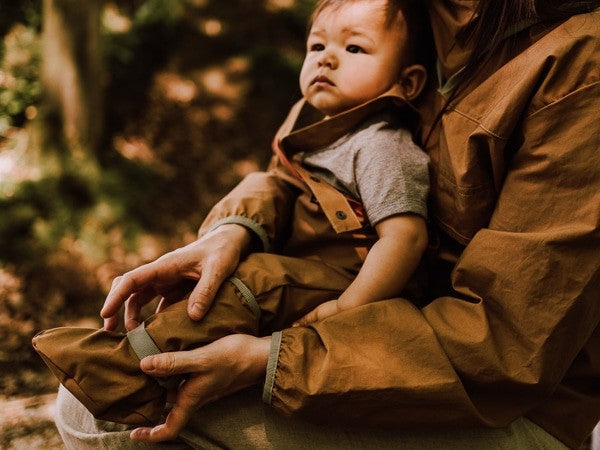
[(322, 79)]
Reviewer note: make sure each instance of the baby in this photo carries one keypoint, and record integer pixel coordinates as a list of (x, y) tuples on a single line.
[(357, 187)]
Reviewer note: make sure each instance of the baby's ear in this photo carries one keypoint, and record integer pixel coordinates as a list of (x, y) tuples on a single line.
[(412, 81)]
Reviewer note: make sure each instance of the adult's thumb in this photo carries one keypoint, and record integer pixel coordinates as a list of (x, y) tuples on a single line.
[(169, 363), (161, 365)]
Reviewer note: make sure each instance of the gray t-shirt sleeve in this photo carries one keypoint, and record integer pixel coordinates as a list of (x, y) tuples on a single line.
[(391, 173), (378, 164)]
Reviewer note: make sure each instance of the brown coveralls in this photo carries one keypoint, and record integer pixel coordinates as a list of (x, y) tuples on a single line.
[(315, 263), (514, 326)]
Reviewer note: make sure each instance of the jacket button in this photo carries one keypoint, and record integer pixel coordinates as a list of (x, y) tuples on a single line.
[(340, 215), (315, 179)]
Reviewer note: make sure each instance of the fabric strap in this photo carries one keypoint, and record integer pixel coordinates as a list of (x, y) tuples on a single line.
[(141, 342), (247, 294), (143, 345)]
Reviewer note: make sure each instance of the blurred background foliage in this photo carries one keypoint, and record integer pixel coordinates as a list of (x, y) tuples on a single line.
[(191, 93)]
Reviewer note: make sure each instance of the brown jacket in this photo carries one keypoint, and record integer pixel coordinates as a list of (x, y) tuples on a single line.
[(514, 326)]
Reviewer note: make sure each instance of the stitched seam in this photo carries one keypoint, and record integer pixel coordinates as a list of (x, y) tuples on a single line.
[(450, 228), (479, 125), (564, 97)]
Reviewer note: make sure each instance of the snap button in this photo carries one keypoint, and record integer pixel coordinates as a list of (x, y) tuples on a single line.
[(315, 179), (340, 215)]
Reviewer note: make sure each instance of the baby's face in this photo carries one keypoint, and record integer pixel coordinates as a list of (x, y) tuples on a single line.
[(351, 57)]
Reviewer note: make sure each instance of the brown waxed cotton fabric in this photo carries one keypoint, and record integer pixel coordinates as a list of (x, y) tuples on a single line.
[(513, 325), (316, 264), (102, 371)]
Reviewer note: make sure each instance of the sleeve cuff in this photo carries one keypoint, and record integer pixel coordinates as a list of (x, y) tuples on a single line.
[(251, 225), (271, 367)]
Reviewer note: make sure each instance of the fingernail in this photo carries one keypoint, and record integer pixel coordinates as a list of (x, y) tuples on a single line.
[(195, 311), (138, 433), (147, 364)]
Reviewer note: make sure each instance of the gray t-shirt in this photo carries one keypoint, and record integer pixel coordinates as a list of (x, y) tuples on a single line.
[(377, 164)]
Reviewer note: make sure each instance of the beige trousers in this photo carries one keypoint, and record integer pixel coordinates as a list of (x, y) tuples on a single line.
[(241, 421)]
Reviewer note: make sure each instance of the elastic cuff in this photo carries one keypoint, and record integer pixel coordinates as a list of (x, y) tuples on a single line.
[(271, 367), (250, 224)]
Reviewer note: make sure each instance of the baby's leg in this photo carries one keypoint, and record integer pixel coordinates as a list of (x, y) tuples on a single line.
[(101, 368), (286, 288)]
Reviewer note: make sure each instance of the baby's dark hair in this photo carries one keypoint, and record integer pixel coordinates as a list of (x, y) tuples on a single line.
[(420, 49)]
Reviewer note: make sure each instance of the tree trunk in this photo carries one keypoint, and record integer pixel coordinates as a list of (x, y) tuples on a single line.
[(72, 71)]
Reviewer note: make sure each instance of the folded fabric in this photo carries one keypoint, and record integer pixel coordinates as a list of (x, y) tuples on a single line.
[(101, 368)]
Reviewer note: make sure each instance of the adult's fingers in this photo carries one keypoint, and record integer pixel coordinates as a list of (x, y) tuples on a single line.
[(205, 290), (188, 398), (126, 285), (132, 312), (215, 370), (111, 323), (176, 420), (307, 319)]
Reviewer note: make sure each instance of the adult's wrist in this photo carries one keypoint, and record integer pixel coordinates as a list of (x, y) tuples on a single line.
[(259, 240), (246, 357), (257, 355), (236, 234)]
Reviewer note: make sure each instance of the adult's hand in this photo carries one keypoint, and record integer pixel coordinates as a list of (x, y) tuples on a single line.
[(201, 267), (214, 371)]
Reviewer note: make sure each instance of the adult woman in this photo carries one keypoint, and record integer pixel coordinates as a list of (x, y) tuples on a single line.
[(512, 337)]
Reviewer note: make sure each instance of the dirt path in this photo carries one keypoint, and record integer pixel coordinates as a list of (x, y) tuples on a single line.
[(27, 423)]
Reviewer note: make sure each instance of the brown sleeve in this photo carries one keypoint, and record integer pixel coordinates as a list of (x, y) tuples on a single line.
[(527, 302), (261, 202)]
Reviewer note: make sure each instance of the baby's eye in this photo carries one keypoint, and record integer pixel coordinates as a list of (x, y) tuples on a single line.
[(317, 47), (354, 49)]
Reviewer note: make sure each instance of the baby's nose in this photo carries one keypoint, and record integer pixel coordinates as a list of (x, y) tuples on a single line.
[(328, 59)]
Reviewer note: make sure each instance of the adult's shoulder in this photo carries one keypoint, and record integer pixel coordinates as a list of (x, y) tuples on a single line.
[(554, 61), (570, 55)]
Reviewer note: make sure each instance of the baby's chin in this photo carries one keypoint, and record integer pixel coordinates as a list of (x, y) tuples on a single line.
[(329, 110), (325, 105)]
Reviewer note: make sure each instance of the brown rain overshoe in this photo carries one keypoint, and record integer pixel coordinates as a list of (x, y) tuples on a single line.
[(102, 371)]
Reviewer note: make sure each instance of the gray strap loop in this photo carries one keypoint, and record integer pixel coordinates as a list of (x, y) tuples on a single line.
[(247, 294), (143, 345), (141, 342)]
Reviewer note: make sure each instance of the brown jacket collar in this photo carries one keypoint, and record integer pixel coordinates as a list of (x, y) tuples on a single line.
[(293, 136)]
